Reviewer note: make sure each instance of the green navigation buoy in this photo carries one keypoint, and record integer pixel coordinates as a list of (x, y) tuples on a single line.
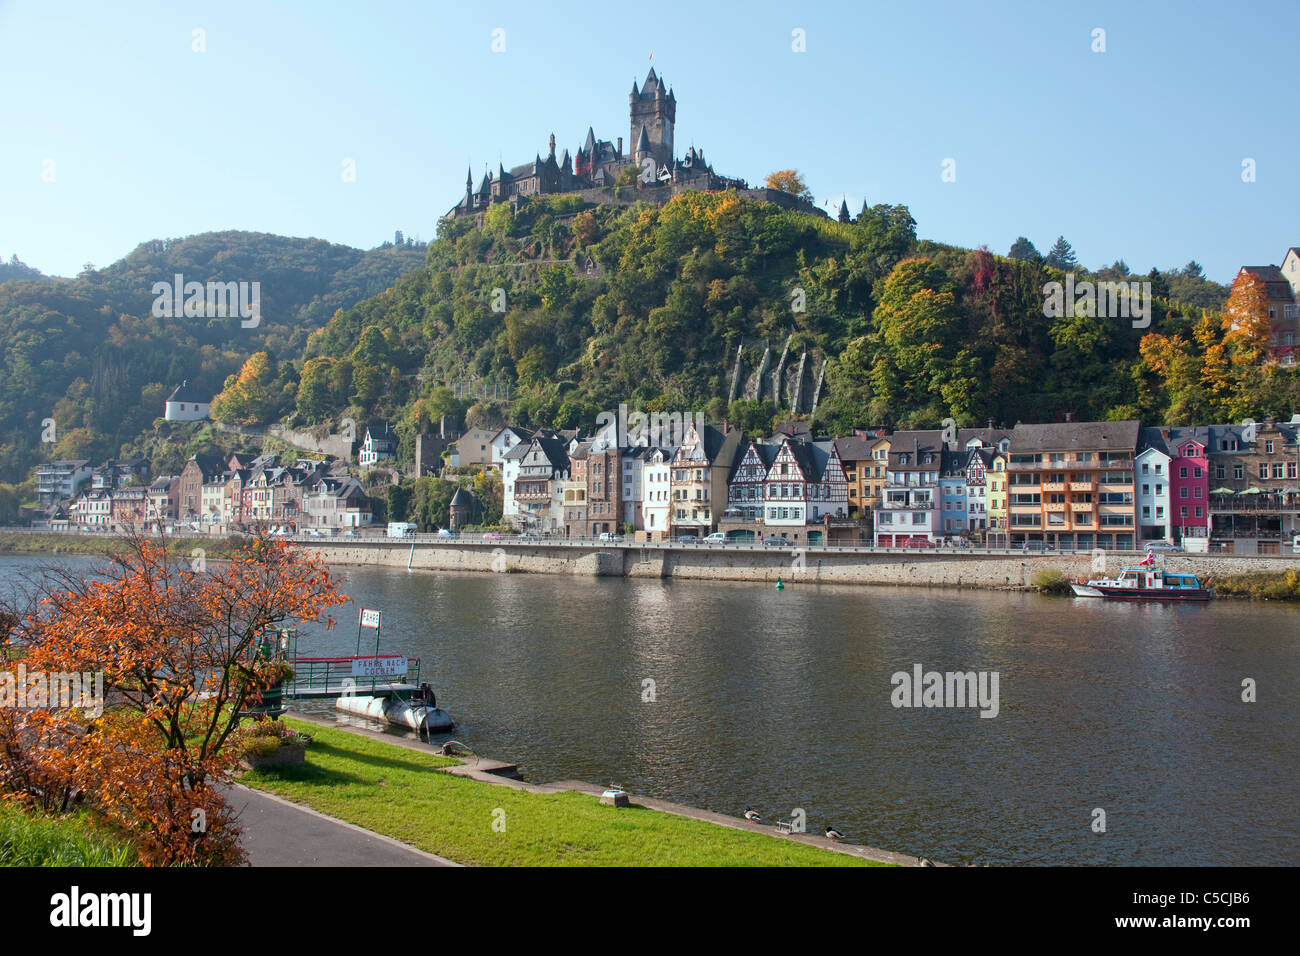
[(779, 585)]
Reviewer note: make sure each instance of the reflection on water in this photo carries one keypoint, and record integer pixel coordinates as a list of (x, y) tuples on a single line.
[(779, 700)]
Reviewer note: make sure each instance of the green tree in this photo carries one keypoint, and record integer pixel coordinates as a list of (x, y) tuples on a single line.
[(1024, 250), (1061, 255)]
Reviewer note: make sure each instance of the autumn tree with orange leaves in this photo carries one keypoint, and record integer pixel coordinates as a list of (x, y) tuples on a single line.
[(789, 181), (1222, 371), (177, 647)]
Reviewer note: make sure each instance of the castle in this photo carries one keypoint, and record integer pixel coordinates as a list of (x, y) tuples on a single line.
[(599, 163)]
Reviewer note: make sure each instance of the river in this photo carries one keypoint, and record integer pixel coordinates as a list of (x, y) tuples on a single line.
[(782, 700)]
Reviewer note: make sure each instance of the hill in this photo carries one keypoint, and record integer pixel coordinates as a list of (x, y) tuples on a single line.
[(88, 353)]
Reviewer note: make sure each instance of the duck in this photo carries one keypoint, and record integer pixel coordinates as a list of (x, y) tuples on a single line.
[(752, 815), (925, 862), (834, 834)]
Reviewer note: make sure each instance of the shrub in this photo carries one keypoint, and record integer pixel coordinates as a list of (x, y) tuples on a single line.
[(1050, 581)]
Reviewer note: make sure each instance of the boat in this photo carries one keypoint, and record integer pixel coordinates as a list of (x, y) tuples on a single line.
[(1145, 583)]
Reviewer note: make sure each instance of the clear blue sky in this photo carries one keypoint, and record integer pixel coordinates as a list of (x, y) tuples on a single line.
[(1134, 153)]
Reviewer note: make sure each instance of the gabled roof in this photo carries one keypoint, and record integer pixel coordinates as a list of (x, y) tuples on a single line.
[(1275, 284), (916, 445), (461, 499), (853, 448), (185, 392), (1067, 436), (209, 464)]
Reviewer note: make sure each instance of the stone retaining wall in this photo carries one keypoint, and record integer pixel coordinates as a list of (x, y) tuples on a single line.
[(853, 567)]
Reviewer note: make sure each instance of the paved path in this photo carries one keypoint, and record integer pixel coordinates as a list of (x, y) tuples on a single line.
[(280, 833)]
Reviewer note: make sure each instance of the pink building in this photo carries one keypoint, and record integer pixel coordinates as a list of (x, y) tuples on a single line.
[(1189, 480)]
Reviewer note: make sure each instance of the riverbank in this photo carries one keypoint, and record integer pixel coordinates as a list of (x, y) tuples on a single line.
[(37, 542), (445, 806), (1259, 577), (943, 569)]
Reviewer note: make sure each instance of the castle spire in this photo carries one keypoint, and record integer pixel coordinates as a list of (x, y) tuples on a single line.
[(552, 146), (844, 210), (643, 141)]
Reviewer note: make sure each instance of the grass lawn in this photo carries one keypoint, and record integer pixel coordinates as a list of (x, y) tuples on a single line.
[(391, 790), (29, 838)]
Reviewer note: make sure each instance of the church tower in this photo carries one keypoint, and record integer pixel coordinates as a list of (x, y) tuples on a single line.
[(655, 108)]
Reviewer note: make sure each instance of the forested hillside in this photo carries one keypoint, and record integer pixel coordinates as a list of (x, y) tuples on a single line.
[(575, 310), (88, 353), (914, 331)]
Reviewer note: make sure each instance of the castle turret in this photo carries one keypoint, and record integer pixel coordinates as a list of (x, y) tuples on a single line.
[(643, 148), (655, 110), (552, 147), (844, 210)]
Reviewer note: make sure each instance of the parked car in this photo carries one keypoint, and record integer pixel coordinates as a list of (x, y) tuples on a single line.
[(610, 536), (718, 537), (351, 533), (687, 539), (527, 536), (1161, 546), (1036, 546), (774, 541), (919, 543), (447, 533), (492, 536)]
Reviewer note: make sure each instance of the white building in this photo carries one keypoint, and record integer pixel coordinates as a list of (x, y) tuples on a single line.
[(57, 480), (1151, 475), (186, 404), (378, 444), (504, 440), (656, 492)]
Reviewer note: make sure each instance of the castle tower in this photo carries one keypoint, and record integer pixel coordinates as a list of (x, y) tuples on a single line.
[(655, 108)]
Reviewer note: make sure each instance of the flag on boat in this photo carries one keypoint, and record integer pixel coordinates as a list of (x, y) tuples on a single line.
[(1149, 560)]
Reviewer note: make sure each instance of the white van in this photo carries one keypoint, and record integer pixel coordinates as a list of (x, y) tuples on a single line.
[(400, 529), (718, 537)]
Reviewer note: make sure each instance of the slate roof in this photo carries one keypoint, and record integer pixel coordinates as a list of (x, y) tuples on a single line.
[(1274, 282), (1067, 436), (1166, 439), (185, 392), (916, 445)]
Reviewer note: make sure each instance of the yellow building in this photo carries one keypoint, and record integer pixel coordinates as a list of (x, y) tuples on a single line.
[(995, 493), (864, 461)]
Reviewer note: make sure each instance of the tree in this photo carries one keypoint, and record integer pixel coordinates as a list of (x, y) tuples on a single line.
[(399, 501), (789, 181), (430, 503), (182, 654), (1193, 270), (1024, 250), (249, 397), (1061, 255)]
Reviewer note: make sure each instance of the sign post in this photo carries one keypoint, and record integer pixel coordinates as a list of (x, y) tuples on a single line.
[(368, 618)]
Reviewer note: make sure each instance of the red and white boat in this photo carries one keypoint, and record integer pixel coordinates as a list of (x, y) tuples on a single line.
[(1146, 583)]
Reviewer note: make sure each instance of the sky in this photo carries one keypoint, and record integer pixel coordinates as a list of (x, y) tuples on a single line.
[(120, 123)]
